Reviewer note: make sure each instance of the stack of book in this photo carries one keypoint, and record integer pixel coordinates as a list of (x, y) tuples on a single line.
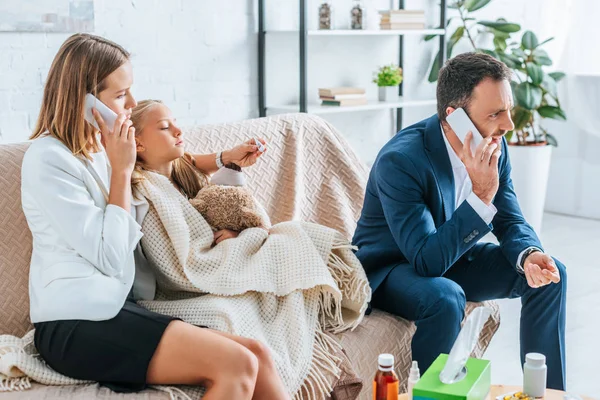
[(342, 96), (402, 19)]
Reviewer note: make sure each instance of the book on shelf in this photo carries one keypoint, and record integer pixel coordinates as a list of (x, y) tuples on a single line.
[(346, 102), (402, 26), (343, 96), (401, 11), (340, 90), (402, 20)]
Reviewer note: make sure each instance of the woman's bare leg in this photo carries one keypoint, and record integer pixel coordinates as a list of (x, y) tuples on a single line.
[(268, 383), (190, 355)]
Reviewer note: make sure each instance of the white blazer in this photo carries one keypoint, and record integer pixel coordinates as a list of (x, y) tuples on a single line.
[(82, 263)]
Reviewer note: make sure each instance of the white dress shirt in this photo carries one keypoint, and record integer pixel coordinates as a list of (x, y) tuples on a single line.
[(463, 191)]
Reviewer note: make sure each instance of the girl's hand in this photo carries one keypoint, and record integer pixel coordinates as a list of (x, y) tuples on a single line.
[(225, 234), (119, 142), (245, 154)]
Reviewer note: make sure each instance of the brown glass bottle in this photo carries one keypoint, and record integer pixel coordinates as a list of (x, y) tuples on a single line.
[(385, 383)]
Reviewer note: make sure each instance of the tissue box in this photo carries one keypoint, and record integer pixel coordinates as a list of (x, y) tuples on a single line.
[(475, 386)]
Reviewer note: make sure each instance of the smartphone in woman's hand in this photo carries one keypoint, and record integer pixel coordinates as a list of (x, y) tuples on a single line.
[(106, 113)]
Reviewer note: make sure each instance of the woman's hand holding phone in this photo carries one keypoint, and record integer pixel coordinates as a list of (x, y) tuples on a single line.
[(119, 142)]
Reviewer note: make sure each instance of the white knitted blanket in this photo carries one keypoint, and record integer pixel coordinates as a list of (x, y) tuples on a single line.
[(286, 287), (290, 288)]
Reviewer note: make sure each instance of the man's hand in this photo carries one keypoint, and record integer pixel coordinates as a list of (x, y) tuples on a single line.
[(540, 270), (482, 167)]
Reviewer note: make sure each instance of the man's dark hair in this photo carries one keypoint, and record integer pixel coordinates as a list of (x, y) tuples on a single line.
[(459, 76)]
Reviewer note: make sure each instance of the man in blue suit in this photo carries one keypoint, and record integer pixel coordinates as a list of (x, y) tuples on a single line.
[(430, 199)]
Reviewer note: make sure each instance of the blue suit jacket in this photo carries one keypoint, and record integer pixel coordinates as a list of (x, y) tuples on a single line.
[(409, 213)]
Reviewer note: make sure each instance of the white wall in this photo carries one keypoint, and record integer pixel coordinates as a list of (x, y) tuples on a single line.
[(200, 58), (197, 56)]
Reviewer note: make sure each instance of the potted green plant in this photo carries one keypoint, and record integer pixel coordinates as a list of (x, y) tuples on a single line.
[(535, 97), (387, 78)]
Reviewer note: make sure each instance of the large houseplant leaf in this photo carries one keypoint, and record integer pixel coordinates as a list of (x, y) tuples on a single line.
[(552, 112), (549, 85), (557, 76), (535, 72), (521, 118), (541, 57), (528, 95), (501, 26), (529, 41), (474, 5)]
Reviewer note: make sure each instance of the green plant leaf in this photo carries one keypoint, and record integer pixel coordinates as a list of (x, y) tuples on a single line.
[(552, 113), (456, 36), (501, 26), (541, 57), (521, 118), (528, 96), (545, 41), (435, 69), (499, 44), (474, 5), (535, 72), (509, 136), (455, 5), (549, 85), (557, 76), (388, 75), (529, 40), (509, 60), (519, 53), (499, 34), (551, 140), (429, 37), (490, 53)]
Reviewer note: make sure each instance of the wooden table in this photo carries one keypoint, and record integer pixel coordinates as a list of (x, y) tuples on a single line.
[(498, 390)]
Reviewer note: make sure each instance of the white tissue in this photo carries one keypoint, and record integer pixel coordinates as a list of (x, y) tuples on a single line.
[(464, 344)]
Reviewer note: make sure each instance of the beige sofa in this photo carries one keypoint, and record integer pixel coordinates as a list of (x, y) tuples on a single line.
[(288, 189)]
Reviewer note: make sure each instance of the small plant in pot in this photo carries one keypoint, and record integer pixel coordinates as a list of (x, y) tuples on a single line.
[(535, 98), (387, 78)]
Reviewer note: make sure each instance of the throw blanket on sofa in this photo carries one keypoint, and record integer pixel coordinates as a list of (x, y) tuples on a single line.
[(291, 288), (287, 287)]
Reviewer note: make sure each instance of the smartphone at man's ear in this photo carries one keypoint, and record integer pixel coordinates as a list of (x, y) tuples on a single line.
[(460, 123), (108, 115)]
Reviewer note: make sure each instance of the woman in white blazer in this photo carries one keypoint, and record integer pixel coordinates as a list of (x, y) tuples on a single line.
[(84, 277)]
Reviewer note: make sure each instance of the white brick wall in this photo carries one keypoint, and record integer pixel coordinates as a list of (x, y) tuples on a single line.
[(199, 57)]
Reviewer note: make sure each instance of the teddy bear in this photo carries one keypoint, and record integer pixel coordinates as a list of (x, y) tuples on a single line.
[(230, 207)]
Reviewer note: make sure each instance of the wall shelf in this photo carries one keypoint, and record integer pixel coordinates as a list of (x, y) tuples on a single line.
[(371, 105), (303, 34), (360, 32)]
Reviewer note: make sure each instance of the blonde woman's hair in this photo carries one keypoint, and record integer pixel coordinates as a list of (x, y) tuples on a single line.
[(81, 66), (184, 173)]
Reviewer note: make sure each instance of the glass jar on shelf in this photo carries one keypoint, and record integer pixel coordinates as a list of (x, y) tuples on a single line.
[(325, 15), (356, 15)]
